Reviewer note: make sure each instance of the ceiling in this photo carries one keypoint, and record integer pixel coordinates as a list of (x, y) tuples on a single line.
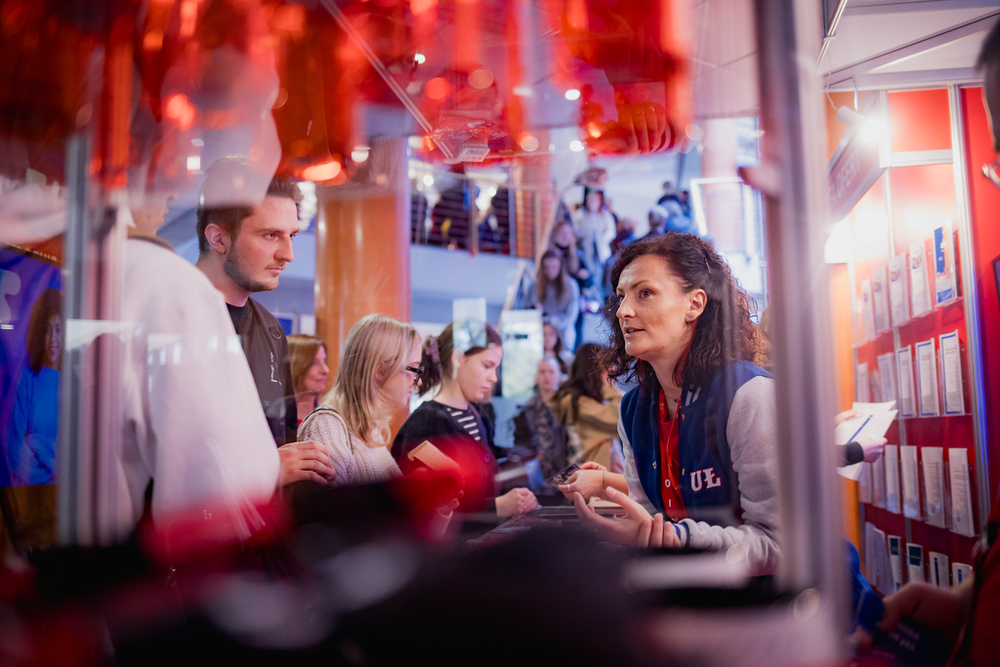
[(907, 44)]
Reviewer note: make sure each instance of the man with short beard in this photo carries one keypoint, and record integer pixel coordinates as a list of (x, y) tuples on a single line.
[(245, 242)]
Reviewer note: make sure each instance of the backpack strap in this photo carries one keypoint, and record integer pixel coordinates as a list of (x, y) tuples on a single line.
[(338, 416)]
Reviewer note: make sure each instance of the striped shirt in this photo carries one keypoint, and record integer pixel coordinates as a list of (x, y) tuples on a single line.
[(467, 420)]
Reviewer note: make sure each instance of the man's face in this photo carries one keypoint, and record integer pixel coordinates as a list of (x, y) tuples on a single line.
[(263, 245)]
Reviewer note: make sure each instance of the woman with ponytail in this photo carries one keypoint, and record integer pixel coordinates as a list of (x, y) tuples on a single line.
[(455, 424), (697, 432)]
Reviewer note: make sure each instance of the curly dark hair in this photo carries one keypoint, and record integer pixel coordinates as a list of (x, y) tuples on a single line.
[(725, 332), (584, 376)]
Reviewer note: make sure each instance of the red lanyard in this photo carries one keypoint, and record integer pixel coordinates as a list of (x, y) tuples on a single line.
[(670, 489)]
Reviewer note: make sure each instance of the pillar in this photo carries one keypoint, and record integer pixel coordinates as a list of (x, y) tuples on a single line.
[(363, 246)]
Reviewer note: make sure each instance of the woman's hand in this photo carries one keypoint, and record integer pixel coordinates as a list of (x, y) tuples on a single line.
[(636, 528), (516, 502), (586, 482), (592, 465)]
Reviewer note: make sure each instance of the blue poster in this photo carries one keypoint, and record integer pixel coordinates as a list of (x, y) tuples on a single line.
[(31, 342), (940, 260), (944, 282)]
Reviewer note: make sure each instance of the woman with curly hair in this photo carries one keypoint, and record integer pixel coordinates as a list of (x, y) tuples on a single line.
[(697, 432)]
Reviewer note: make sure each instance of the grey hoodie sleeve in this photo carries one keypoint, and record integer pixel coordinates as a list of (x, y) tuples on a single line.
[(751, 431), (635, 491)]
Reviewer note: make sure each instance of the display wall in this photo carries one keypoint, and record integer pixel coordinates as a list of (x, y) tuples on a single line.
[(919, 513)]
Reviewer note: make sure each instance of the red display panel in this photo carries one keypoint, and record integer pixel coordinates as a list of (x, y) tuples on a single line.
[(984, 200), (920, 120)]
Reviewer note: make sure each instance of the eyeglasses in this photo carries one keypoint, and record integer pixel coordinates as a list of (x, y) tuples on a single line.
[(417, 372), (992, 172)]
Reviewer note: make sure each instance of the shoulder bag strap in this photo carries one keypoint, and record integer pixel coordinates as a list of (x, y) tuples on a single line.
[(340, 417)]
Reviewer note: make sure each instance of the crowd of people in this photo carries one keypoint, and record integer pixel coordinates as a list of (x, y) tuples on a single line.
[(687, 452), (288, 428)]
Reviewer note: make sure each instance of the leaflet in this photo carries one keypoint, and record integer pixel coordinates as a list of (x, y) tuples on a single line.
[(891, 456), (904, 366), (899, 294), (944, 264), (887, 376), (939, 572), (877, 559), (933, 458), (896, 561), (911, 491), (951, 377), (914, 562), (961, 495), (878, 482), (864, 482), (863, 392), (871, 421), (927, 379), (960, 572), (920, 293), (880, 299), (867, 310)]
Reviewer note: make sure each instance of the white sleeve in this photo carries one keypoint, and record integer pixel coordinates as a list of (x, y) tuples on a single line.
[(751, 432), (635, 490), (327, 428)]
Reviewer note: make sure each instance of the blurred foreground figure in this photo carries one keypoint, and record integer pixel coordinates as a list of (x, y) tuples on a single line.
[(967, 614), (194, 435)]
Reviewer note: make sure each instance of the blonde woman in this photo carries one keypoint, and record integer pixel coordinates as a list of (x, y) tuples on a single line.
[(377, 373)]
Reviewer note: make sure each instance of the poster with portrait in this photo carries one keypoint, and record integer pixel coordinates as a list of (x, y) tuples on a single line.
[(31, 341)]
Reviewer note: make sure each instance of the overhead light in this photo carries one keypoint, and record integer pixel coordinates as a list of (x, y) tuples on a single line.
[(359, 154), (428, 180), (572, 94), (529, 143), (322, 172), (522, 91), (481, 79), (194, 163), (576, 145), (419, 58), (871, 130)]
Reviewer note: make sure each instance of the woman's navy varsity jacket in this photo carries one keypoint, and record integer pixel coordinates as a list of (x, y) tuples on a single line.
[(728, 465)]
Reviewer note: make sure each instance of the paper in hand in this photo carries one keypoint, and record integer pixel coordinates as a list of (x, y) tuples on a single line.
[(872, 421)]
